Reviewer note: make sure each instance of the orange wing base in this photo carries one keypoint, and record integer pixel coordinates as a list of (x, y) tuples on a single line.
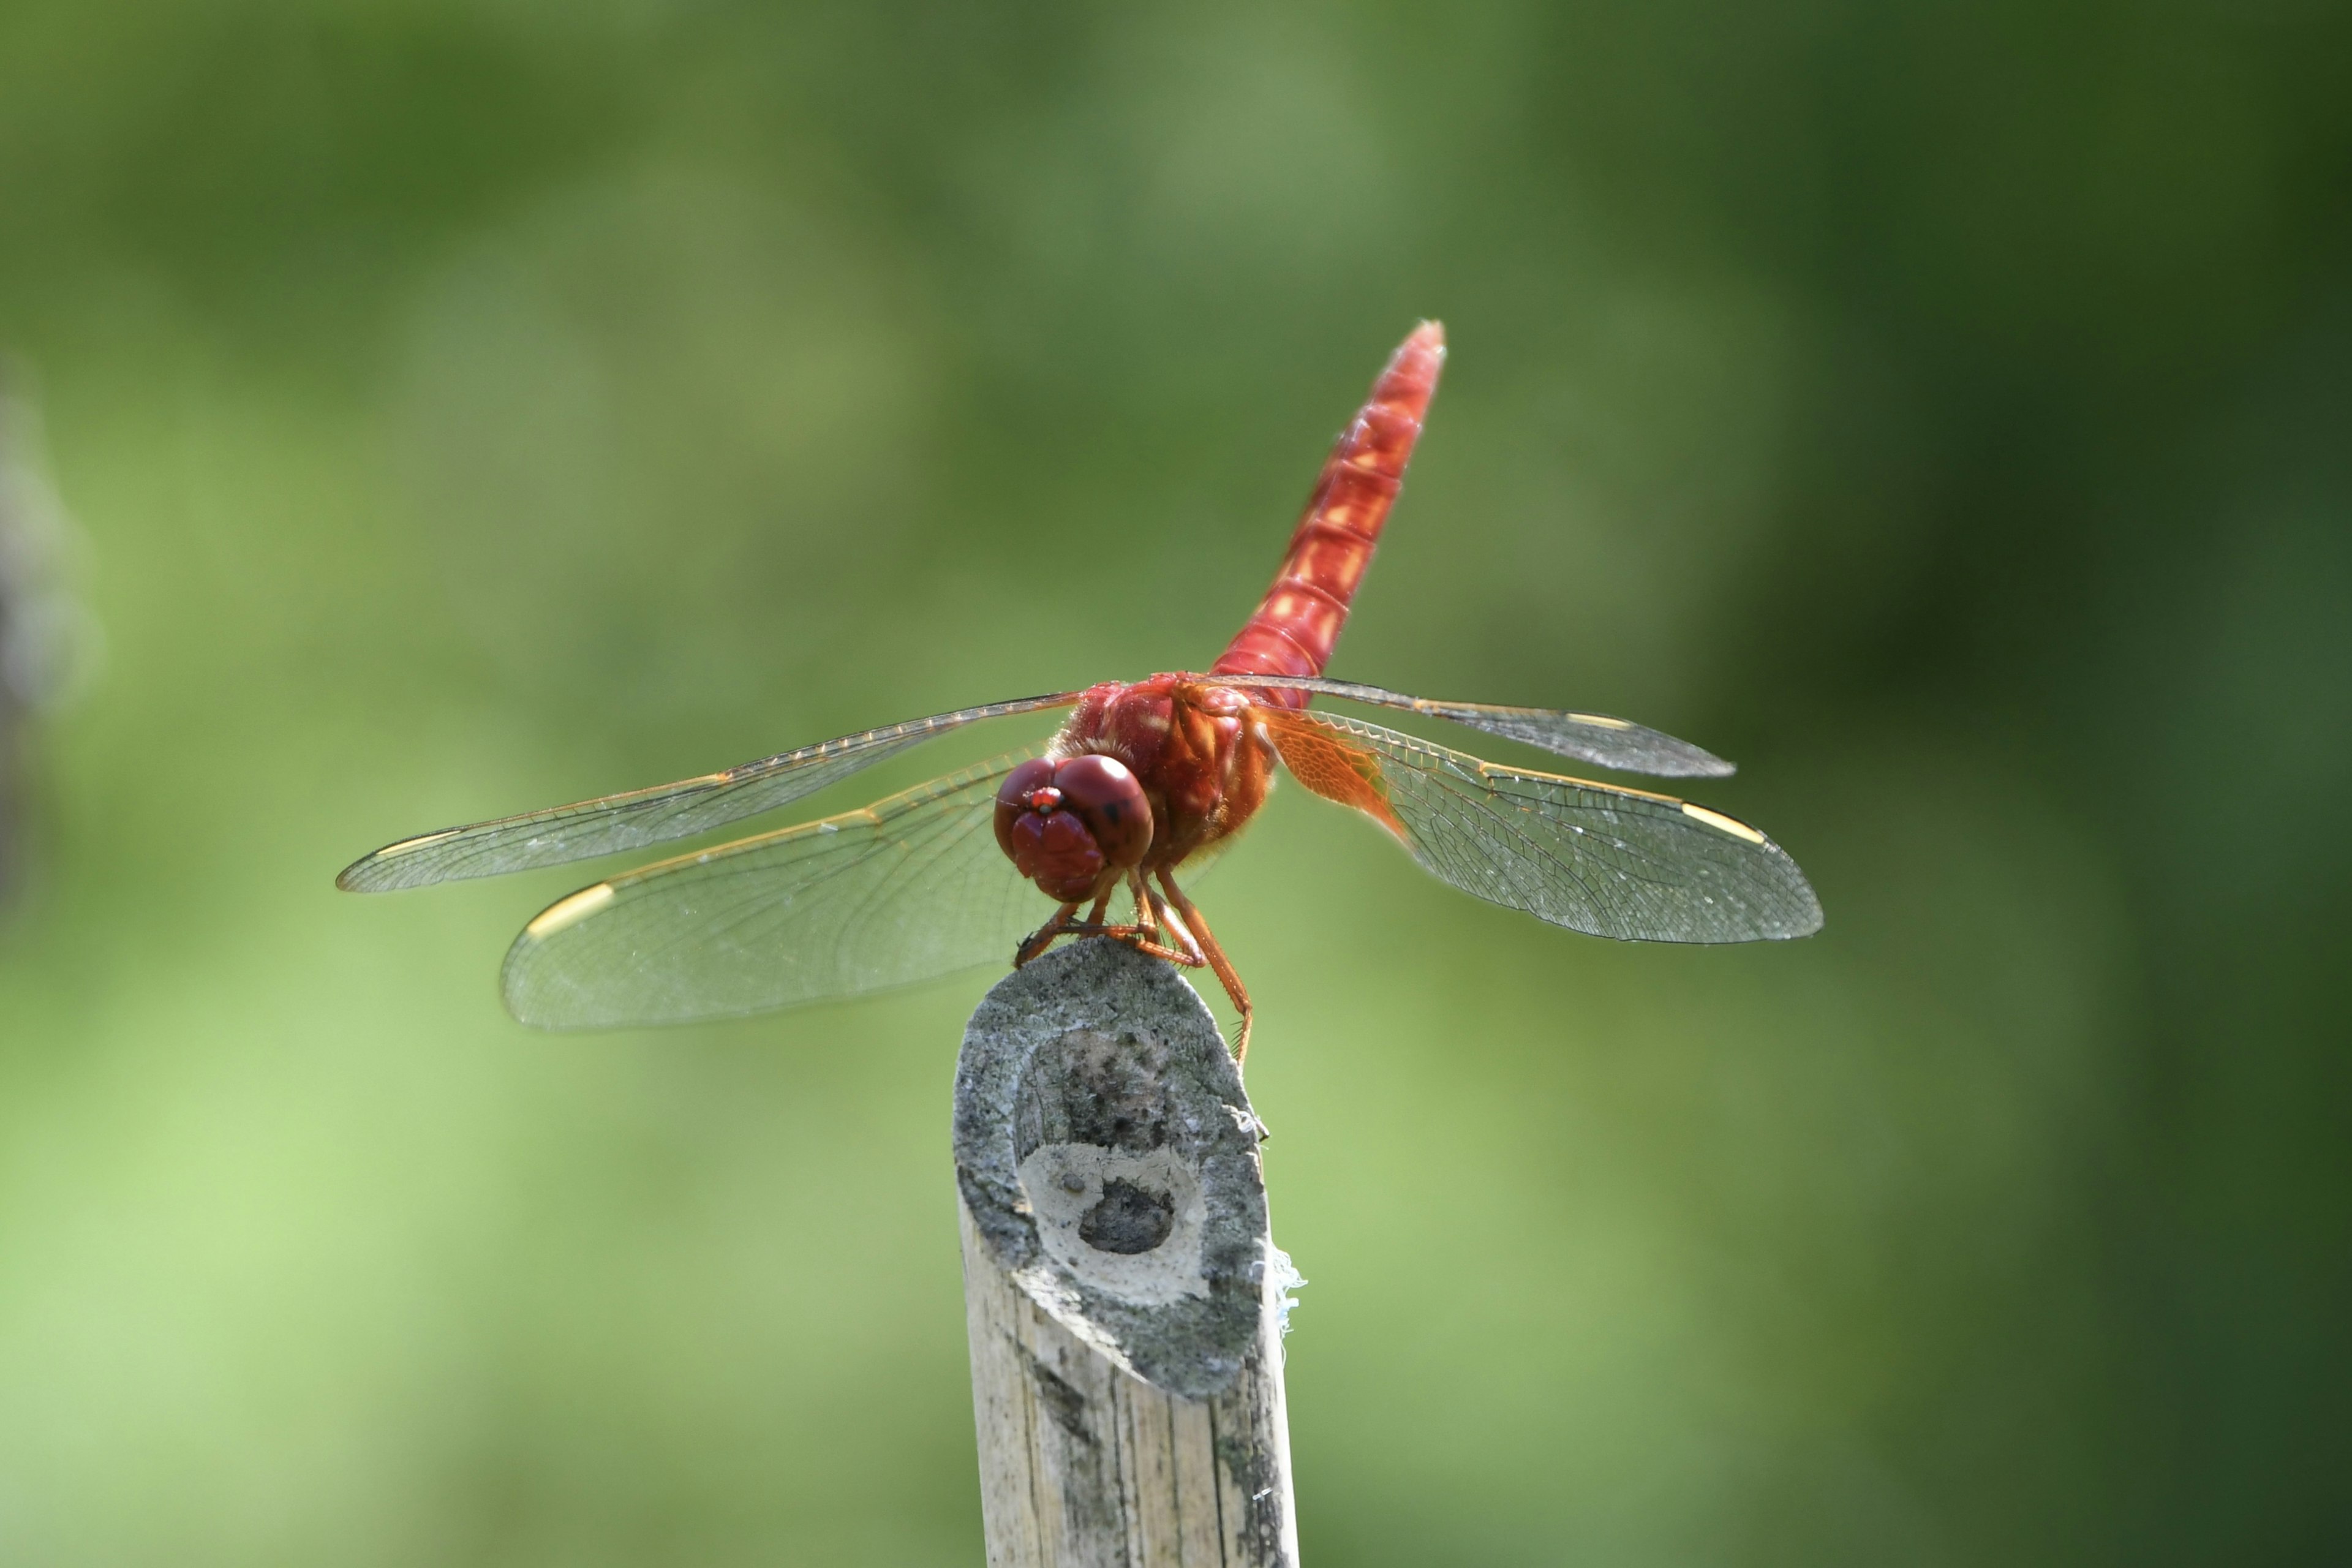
[(1331, 767)]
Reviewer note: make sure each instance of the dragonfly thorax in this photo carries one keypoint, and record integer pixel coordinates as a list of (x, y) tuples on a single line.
[(1201, 767)]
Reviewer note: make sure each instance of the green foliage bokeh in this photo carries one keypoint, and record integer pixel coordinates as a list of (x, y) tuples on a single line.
[(1939, 409)]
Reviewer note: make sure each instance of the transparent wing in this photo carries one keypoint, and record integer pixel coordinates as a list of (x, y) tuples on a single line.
[(1615, 862), (905, 889), (615, 823), (1588, 737)]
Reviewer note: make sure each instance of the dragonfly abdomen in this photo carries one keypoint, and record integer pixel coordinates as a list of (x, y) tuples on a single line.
[(1299, 620)]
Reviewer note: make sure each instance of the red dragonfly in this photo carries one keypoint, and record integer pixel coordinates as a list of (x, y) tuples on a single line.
[(1141, 779)]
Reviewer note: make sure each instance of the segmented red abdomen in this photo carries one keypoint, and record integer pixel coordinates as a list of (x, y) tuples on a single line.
[(1299, 619)]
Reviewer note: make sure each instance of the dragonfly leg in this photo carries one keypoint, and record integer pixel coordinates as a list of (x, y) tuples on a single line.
[(1042, 937), (1158, 939), (1144, 937), (1148, 934), (1198, 928)]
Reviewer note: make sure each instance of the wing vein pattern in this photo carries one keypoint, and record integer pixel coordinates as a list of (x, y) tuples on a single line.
[(1590, 856), (617, 823), (1588, 737), (903, 890)]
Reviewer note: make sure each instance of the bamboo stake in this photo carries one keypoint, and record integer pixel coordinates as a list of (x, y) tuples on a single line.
[(1122, 1288)]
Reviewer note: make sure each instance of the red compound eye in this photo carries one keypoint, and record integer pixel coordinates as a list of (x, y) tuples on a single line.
[(1106, 797), (1063, 825), (1047, 844), (1012, 797)]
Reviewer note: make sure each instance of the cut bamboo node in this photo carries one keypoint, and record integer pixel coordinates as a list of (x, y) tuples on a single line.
[(1123, 1290)]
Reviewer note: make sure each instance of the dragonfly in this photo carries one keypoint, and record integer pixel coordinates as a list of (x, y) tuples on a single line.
[(1142, 780)]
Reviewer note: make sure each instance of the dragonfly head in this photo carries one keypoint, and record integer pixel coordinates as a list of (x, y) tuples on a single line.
[(1073, 826)]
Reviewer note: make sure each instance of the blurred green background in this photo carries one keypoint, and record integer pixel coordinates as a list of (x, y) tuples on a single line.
[(1943, 410)]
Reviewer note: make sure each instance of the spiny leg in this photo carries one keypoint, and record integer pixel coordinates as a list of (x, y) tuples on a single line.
[(1041, 938), (1168, 934), (1145, 936), (1203, 938)]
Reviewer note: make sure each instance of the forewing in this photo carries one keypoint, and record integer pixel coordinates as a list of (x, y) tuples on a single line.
[(1613, 862), (906, 890), (615, 823), (1588, 737)]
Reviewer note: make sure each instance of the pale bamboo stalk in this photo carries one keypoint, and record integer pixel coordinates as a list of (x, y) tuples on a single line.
[(1122, 1287)]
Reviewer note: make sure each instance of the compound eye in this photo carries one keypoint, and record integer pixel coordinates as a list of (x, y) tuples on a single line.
[(1107, 799), (1012, 796)]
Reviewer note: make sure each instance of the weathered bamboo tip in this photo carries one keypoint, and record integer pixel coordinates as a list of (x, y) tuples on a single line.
[(1124, 1294)]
